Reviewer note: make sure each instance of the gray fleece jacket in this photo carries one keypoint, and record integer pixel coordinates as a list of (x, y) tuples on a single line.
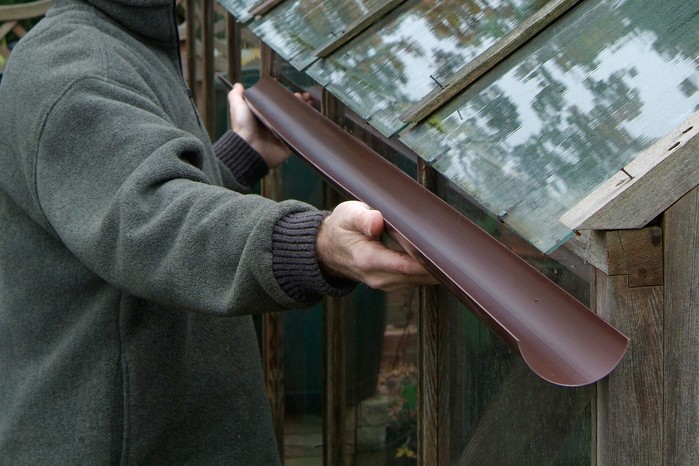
[(130, 260)]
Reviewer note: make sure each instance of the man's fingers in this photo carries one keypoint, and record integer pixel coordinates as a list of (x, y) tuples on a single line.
[(348, 246), (305, 97), (235, 95), (387, 269)]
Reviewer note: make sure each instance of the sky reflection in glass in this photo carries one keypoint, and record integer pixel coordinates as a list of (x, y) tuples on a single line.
[(401, 59), (541, 131)]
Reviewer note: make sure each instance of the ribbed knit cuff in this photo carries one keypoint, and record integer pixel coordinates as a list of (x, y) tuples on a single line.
[(246, 165), (295, 262)]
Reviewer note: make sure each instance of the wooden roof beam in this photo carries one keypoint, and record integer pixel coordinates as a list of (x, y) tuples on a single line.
[(646, 187)]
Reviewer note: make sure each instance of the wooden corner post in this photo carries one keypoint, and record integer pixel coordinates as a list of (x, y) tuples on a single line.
[(647, 409)]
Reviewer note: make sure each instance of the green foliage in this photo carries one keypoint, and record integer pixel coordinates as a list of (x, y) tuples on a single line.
[(401, 430), (410, 396)]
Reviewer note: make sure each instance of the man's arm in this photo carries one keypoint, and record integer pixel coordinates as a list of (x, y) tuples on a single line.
[(347, 241)]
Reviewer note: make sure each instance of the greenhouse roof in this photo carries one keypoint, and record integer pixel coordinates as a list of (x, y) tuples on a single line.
[(553, 114)]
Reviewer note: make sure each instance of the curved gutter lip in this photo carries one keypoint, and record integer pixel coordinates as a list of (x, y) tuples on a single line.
[(560, 339)]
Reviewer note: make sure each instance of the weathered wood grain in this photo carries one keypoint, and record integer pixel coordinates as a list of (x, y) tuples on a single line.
[(273, 365), (681, 342), (428, 422), (590, 247), (637, 254), (428, 359), (630, 400)]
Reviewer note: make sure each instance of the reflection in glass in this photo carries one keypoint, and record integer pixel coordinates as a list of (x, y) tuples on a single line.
[(414, 50), (303, 345), (382, 377), (239, 8), (295, 29), (567, 111), (500, 413)]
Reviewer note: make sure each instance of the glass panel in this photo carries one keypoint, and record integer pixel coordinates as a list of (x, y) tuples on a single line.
[(414, 50), (296, 28), (303, 346), (382, 377), (303, 329), (239, 8), (567, 111), (499, 412), (303, 385)]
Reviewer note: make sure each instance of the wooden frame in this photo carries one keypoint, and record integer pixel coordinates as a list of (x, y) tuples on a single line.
[(264, 7), (646, 409), (334, 339)]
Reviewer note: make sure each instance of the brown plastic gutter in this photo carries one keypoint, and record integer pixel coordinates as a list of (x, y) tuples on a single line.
[(560, 339)]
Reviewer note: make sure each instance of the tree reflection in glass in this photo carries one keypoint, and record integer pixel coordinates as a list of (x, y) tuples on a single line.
[(414, 50), (295, 29), (567, 111)]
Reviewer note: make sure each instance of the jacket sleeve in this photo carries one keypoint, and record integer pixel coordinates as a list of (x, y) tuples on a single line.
[(243, 162), (135, 199), (294, 260)]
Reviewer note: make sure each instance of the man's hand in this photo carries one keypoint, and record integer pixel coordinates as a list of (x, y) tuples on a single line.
[(349, 246), (248, 127)]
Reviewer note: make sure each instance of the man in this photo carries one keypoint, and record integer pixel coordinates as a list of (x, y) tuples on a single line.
[(131, 259)]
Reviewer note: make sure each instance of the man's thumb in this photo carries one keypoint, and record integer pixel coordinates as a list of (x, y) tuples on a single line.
[(372, 223)]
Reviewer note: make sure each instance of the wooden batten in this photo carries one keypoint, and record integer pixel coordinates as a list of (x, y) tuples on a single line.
[(273, 322), (646, 187), (335, 415), (263, 7)]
